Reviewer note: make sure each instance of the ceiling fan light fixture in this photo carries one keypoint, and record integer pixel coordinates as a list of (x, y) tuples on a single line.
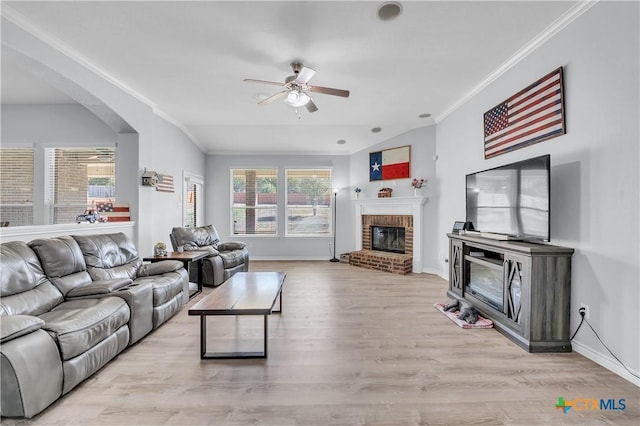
[(297, 98)]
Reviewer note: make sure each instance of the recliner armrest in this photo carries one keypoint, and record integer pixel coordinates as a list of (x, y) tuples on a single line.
[(209, 249), (159, 268), (231, 245), (99, 287), (14, 326)]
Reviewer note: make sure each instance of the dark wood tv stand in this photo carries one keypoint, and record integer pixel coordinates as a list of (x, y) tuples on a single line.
[(524, 288)]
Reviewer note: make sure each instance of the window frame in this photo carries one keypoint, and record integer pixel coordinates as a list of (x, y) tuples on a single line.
[(330, 206), (189, 179), (42, 207), (276, 174)]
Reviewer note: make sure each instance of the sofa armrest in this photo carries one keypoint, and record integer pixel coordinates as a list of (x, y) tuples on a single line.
[(14, 326), (99, 287), (159, 268), (231, 245)]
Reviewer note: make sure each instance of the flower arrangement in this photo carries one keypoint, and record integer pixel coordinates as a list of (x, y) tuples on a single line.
[(417, 183), (160, 249), (358, 190)]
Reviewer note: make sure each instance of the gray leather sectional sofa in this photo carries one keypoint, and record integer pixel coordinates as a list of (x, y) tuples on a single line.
[(68, 306)]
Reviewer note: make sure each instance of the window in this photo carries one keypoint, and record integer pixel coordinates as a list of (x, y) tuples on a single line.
[(193, 201), (75, 179), (254, 201), (16, 191), (308, 202)]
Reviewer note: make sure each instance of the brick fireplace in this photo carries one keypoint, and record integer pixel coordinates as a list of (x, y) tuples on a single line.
[(404, 212)]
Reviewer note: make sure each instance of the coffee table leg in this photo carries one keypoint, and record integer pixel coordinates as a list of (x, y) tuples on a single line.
[(279, 303), (203, 336), (265, 336)]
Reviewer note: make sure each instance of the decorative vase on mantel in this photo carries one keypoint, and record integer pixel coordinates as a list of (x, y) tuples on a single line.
[(417, 192)]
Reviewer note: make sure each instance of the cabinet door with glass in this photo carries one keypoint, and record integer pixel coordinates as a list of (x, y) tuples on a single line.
[(456, 263), (516, 290)]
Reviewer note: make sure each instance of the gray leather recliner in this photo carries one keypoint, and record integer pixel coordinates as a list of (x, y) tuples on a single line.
[(114, 256), (69, 305), (225, 258), (64, 265), (49, 345)]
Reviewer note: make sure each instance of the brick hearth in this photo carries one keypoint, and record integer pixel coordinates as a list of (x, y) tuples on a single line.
[(381, 260), (395, 263)]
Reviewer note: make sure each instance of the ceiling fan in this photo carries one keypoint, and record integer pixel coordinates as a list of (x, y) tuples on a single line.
[(296, 89)]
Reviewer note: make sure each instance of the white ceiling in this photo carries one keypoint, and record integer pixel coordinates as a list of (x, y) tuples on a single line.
[(189, 60)]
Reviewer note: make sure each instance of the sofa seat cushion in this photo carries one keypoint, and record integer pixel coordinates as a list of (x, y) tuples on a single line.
[(165, 286), (78, 325), (231, 259)]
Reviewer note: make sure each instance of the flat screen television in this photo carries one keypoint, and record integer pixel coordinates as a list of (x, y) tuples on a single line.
[(512, 200)]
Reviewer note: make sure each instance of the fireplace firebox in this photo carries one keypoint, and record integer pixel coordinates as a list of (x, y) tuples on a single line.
[(388, 238)]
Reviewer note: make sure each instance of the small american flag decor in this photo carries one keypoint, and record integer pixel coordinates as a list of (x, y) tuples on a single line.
[(532, 115), (115, 212), (165, 183)]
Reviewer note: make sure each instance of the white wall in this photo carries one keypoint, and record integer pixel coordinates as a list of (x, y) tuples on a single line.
[(170, 153), (594, 176), (71, 125), (160, 145), (423, 165), (218, 196)]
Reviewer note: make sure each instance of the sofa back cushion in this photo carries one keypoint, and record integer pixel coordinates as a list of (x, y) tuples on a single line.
[(63, 262), (24, 288), (109, 256), (192, 238)]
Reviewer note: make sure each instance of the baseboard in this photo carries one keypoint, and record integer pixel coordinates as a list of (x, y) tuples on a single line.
[(431, 271), (286, 258), (605, 361)]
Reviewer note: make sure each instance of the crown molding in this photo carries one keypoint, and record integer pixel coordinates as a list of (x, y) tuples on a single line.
[(23, 23), (554, 28)]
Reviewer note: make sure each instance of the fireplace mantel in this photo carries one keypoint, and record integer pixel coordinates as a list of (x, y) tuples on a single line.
[(413, 206)]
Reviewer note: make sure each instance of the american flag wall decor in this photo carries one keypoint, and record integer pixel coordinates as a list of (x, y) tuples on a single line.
[(165, 183), (115, 212), (394, 163), (532, 115)]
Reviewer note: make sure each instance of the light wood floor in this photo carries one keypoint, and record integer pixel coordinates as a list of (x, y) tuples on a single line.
[(352, 346)]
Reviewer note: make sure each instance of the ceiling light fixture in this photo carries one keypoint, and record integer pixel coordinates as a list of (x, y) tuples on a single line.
[(425, 115), (389, 11), (376, 129), (341, 142), (296, 98)]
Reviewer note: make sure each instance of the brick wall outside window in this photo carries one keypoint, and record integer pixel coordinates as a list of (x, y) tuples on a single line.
[(16, 186), (74, 179)]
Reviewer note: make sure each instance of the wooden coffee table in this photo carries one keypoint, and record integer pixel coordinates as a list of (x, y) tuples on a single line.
[(245, 293)]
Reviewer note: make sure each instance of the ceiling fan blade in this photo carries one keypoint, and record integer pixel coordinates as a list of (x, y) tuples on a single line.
[(329, 91), (305, 75), (311, 107), (251, 80), (273, 97)]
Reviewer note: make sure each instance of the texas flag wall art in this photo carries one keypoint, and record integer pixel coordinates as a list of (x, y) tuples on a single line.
[(392, 163)]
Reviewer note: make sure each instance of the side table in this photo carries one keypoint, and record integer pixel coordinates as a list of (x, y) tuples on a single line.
[(186, 257)]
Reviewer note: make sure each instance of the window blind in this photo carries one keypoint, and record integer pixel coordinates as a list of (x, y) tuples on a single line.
[(16, 186), (308, 202), (255, 201), (77, 179)]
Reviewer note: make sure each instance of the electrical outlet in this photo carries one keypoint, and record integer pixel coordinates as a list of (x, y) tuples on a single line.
[(586, 310)]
